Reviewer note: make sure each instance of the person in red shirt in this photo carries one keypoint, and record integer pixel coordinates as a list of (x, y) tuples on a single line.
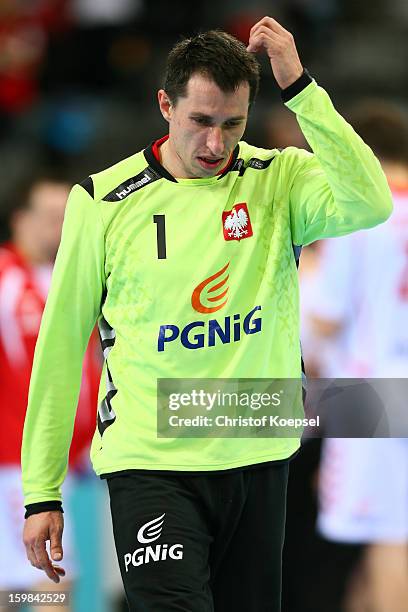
[(26, 262)]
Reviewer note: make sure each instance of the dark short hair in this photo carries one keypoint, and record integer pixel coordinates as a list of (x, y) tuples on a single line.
[(214, 54), (383, 126)]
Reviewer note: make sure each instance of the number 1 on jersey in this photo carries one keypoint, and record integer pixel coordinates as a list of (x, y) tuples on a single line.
[(161, 235)]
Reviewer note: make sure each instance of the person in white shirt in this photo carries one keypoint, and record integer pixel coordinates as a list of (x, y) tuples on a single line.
[(362, 302)]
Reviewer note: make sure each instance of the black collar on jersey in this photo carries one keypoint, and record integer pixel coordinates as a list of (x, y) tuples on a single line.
[(161, 170)]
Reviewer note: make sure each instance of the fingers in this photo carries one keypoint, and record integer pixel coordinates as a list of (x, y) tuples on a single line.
[(270, 39), (263, 38), (56, 543), (268, 34), (38, 529), (44, 562), (31, 557), (279, 44), (270, 23), (41, 561)]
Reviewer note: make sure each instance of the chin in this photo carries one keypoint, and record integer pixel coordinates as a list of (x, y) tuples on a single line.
[(203, 173)]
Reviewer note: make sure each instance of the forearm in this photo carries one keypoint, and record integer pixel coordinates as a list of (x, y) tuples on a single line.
[(49, 423), (357, 195)]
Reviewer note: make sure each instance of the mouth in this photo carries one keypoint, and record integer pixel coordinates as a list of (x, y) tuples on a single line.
[(209, 163)]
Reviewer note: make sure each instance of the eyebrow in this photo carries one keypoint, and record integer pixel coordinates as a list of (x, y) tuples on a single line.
[(209, 118)]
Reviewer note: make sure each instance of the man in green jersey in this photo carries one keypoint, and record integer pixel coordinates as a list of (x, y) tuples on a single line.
[(147, 249)]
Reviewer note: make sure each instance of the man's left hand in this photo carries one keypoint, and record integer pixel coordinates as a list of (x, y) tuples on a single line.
[(280, 46)]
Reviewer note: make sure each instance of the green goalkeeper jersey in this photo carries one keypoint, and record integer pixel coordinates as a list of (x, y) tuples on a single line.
[(140, 253)]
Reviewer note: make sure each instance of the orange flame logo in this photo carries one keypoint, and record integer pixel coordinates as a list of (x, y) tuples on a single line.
[(196, 296)]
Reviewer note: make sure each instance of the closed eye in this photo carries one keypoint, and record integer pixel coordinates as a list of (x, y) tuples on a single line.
[(202, 121), (232, 124), (208, 122)]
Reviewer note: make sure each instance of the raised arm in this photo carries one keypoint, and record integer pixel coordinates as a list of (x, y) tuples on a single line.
[(339, 188)]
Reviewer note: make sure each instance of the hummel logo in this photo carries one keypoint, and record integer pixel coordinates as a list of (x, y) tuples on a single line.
[(133, 186)]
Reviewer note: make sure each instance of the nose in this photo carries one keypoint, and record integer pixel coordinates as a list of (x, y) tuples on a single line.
[(215, 141)]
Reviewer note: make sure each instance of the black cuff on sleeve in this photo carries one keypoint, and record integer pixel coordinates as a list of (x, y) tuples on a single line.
[(293, 90), (42, 507)]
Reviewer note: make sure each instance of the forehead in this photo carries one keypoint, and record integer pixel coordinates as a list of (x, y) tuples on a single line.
[(204, 96)]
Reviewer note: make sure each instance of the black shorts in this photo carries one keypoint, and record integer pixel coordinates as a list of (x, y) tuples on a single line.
[(199, 543)]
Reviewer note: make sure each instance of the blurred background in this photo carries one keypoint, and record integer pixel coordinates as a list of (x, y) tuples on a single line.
[(78, 82), (78, 78)]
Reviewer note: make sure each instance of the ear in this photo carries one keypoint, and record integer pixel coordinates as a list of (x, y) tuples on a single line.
[(164, 104)]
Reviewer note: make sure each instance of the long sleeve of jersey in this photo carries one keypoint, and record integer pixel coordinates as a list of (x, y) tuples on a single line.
[(72, 308), (342, 187)]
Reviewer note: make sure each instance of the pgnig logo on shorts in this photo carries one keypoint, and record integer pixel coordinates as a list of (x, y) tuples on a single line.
[(148, 533)]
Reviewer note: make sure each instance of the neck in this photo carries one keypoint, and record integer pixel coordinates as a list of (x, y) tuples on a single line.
[(170, 161)]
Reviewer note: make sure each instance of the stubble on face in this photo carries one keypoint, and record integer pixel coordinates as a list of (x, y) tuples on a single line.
[(205, 126)]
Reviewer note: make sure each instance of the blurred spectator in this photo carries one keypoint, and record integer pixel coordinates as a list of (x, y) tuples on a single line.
[(363, 296), (26, 261), (282, 129), (363, 278), (314, 349), (24, 28), (105, 11)]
